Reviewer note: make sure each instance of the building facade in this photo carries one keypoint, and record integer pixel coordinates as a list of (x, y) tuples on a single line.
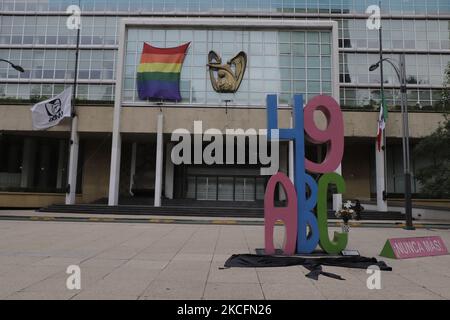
[(308, 47)]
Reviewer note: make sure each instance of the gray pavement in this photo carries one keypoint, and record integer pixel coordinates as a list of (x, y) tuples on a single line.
[(32, 215), (180, 261)]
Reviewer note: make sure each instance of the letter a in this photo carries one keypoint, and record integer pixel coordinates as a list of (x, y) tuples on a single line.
[(286, 214), (74, 280)]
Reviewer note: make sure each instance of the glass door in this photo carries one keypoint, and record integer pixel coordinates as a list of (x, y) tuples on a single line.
[(226, 189), (207, 188), (244, 189)]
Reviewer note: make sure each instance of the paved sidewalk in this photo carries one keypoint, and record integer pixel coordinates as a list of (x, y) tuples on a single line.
[(178, 261), (32, 215)]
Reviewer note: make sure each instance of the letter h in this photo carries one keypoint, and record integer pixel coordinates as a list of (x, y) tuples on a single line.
[(306, 242)]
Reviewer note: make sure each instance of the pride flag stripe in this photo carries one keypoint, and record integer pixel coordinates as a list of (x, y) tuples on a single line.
[(162, 76), (159, 89), (169, 51), (160, 67), (162, 58)]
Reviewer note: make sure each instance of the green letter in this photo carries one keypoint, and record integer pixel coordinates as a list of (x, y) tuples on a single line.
[(340, 240)]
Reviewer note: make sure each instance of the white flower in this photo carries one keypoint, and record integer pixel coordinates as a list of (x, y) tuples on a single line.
[(348, 205)]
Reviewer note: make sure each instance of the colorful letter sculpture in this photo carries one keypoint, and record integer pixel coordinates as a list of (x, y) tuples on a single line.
[(287, 214), (304, 203)]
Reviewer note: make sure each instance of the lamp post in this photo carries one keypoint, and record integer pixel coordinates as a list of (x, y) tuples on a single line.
[(401, 74), (18, 68)]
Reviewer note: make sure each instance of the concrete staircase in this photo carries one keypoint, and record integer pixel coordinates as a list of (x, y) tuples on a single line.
[(194, 209)]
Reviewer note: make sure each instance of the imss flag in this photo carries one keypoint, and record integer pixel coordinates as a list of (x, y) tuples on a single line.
[(49, 113)]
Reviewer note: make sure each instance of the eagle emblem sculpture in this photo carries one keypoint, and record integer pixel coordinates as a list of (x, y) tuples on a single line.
[(229, 76)]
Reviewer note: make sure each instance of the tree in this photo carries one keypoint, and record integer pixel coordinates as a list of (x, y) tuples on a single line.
[(435, 178), (445, 100)]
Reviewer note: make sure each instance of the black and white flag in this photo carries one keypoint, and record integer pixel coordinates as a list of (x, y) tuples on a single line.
[(49, 113)]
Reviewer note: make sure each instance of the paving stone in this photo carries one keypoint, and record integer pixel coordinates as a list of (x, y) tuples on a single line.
[(233, 291), (178, 290), (44, 295), (291, 291), (238, 275)]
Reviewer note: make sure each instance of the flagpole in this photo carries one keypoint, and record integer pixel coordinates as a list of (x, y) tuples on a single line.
[(74, 136), (380, 32)]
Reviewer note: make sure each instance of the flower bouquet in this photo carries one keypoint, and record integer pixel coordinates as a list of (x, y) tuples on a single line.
[(346, 214)]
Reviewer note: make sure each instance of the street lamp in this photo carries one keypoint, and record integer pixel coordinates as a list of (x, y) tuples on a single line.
[(18, 68), (401, 74)]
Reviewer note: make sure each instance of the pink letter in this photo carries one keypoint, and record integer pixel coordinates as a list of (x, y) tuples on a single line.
[(286, 214), (333, 135)]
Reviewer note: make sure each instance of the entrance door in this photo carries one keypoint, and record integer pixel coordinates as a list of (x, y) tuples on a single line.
[(225, 188), (144, 177), (245, 189), (207, 188)]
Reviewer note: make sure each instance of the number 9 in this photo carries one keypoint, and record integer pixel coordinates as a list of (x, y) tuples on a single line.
[(333, 135)]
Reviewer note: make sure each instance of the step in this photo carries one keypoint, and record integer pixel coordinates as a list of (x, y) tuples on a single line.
[(192, 211)]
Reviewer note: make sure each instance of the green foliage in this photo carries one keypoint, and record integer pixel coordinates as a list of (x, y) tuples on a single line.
[(446, 91), (435, 177)]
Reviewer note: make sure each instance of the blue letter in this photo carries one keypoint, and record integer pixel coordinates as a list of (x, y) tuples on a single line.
[(306, 243)]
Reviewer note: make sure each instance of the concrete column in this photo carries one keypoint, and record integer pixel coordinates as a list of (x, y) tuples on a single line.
[(61, 153), (337, 198), (380, 177), (291, 157), (28, 163), (133, 167), (159, 161), (114, 176), (73, 162), (169, 174)]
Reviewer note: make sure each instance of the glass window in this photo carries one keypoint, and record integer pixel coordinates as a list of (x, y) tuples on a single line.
[(225, 188), (272, 55), (33, 164)]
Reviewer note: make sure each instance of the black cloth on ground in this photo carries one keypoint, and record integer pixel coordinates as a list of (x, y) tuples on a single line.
[(314, 265)]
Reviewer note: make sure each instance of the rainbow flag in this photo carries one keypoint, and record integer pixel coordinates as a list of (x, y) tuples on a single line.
[(158, 75)]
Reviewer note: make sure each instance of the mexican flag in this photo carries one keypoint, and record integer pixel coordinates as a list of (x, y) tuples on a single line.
[(382, 118)]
